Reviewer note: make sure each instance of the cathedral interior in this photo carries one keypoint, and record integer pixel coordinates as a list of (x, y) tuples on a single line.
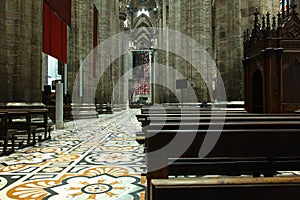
[(80, 80)]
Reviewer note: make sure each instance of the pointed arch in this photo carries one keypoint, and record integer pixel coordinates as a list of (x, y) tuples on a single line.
[(145, 31)]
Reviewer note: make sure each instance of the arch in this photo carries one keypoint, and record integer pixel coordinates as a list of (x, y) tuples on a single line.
[(142, 20), (144, 31)]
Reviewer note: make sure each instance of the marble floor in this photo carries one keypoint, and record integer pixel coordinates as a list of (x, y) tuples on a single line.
[(88, 159)]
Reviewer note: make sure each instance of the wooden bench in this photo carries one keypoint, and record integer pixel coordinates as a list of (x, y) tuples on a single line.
[(27, 121), (20, 120), (231, 166), (211, 117), (237, 105), (191, 126), (39, 119), (233, 188), (232, 121), (231, 143), (223, 125), (271, 144), (146, 119), (189, 110), (6, 135), (245, 136)]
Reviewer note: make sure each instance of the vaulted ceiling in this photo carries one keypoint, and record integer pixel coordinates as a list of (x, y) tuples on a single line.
[(143, 23), (142, 4)]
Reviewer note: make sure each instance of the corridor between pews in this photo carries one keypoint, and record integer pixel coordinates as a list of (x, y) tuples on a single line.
[(88, 159)]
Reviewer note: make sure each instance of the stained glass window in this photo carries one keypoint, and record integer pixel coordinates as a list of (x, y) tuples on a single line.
[(286, 2)]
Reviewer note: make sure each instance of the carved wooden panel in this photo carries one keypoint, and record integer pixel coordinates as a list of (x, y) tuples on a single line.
[(291, 84), (291, 29), (272, 76)]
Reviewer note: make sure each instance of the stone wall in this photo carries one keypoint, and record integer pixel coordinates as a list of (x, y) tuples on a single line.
[(80, 44)]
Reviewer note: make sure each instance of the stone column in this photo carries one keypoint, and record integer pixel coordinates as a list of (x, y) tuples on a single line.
[(108, 26), (80, 41), (201, 31), (121, 80), (175, 24), (21, 46), (193, 19), (159, 58), (113, 50), (102, 87), (162, 75), (80, 54), (228, 36), (232, 18)]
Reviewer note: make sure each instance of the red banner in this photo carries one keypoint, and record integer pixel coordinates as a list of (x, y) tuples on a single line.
[(54, 34), (62, 8)]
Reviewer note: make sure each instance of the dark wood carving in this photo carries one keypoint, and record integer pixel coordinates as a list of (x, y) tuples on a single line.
[(291, 29), (272, 51)]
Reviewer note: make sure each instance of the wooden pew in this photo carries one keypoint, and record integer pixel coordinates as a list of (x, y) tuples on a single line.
[(213, 116), (231, 166), (273, 130), (233, 188), (225, 125), (232, 120), (188, 110), (231, 143), (147, 119), (231, 105), (193, 126), (271, 144)]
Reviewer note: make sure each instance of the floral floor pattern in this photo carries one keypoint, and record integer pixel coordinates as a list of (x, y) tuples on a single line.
[(88, 159)]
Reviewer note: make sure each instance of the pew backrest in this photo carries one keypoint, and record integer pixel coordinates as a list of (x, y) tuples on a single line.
[(275, 188)]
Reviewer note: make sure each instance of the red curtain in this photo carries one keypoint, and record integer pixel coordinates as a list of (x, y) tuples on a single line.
[(54, 34), (95, 42), (62, 8)]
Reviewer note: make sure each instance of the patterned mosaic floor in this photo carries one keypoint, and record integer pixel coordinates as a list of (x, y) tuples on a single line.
[(88, 159)]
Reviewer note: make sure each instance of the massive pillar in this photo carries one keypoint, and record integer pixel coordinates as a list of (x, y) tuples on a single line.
[(81, 81), (192, 19), (229, 46), (21, 47), (122, 44), (158, 57), (103, 85), (162, 94), (80, 41), (108, 26), (232, 18)]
